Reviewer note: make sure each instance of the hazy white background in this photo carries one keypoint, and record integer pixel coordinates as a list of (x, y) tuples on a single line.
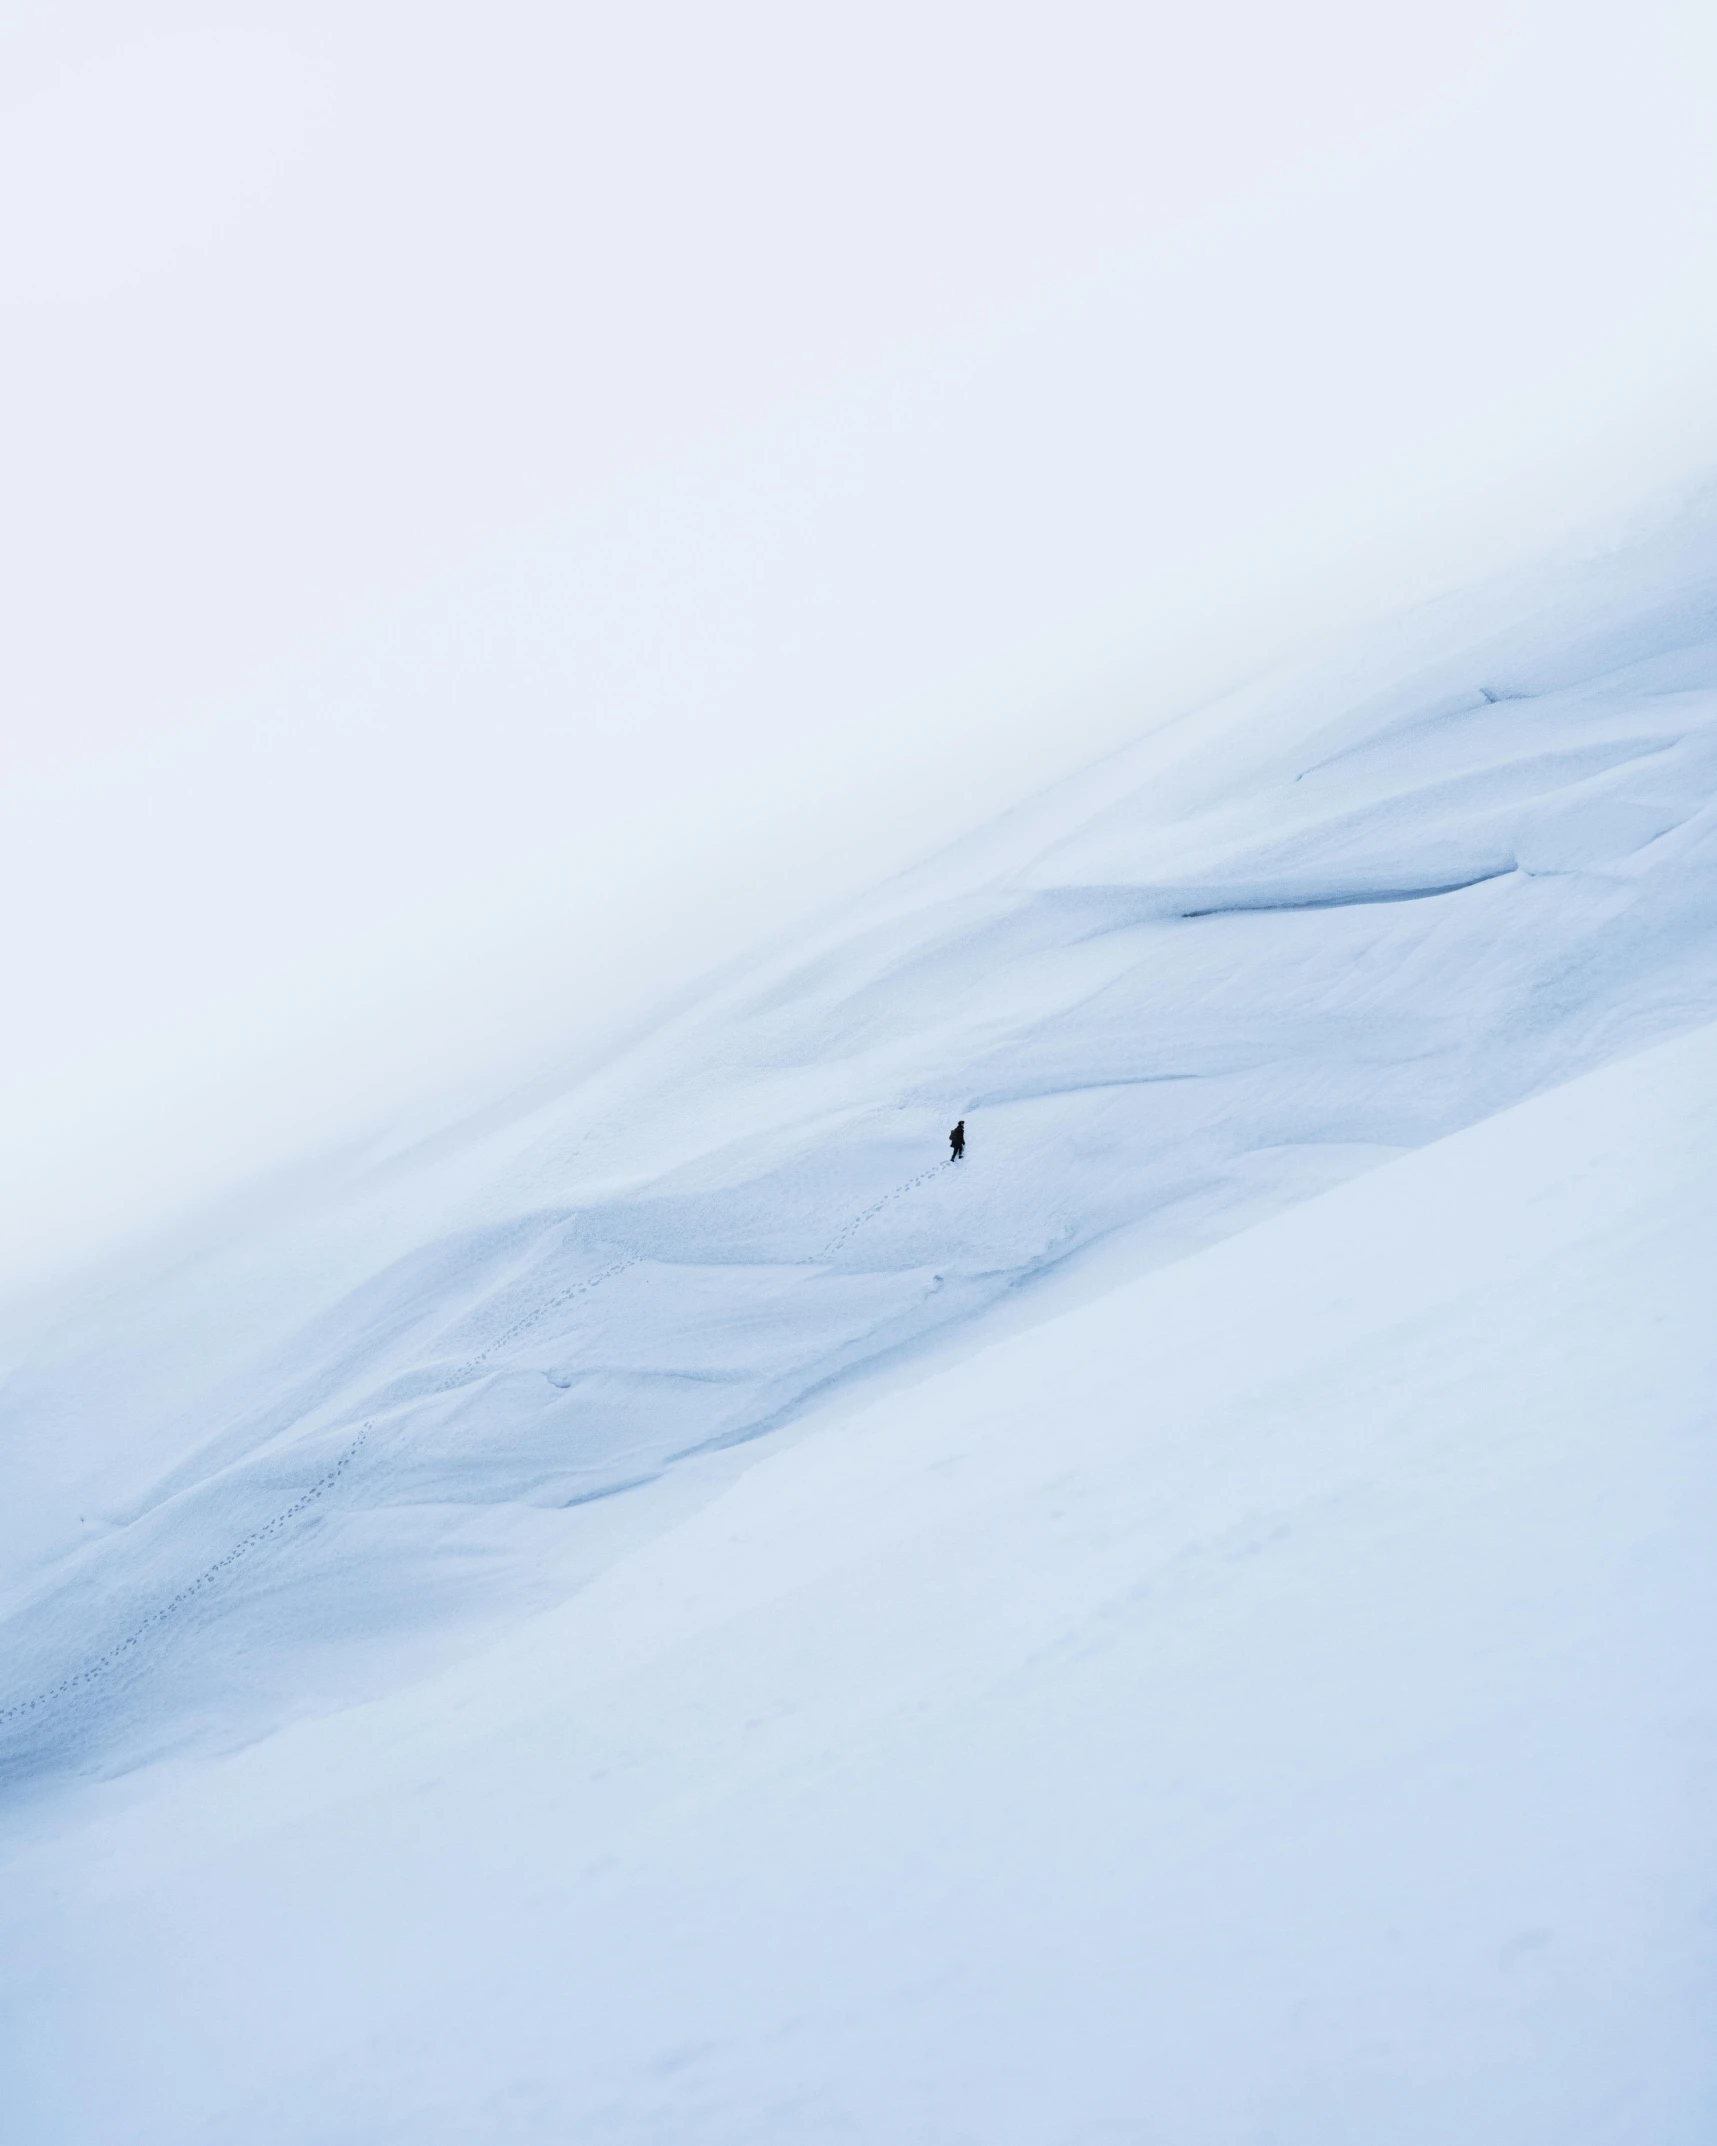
[(503, 504)]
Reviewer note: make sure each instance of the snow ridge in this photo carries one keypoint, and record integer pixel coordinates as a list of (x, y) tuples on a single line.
[(242, 1548), (1212, 977)]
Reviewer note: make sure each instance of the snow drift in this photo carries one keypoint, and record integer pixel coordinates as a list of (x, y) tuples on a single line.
[(1258, 1703), (1334, 919)]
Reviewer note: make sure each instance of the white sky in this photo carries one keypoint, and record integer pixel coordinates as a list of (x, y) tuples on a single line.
[(504, 504)]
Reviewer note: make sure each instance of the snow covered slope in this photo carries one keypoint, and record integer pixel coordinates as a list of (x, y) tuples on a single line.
[(1274, 1700), (1333, 919)]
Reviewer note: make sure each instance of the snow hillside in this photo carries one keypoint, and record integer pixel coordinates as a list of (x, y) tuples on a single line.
[(1333, 919), (1272, 1701)]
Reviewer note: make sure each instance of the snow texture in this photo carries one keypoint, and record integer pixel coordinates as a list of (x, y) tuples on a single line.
[(1251, 1683)]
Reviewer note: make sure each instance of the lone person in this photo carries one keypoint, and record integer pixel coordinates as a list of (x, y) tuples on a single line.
[(957, 1141)]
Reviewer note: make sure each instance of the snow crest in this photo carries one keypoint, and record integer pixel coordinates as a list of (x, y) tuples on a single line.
[(1339, 919)]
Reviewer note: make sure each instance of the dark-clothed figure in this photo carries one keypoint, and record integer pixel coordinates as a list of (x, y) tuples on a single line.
[(957, 1141)]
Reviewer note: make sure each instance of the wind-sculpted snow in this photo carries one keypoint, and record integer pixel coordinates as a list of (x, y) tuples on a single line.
[(1337, 919)]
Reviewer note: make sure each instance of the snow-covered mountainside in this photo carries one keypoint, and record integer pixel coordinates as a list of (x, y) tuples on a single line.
[(1252, 1704), (1272, 1701), (1338, 918)]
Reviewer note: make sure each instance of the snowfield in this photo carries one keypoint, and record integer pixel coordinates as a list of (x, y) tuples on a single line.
[(671, 1612)]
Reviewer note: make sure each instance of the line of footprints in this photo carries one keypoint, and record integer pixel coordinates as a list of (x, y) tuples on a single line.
[(461, 1375), (242, 1548)]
